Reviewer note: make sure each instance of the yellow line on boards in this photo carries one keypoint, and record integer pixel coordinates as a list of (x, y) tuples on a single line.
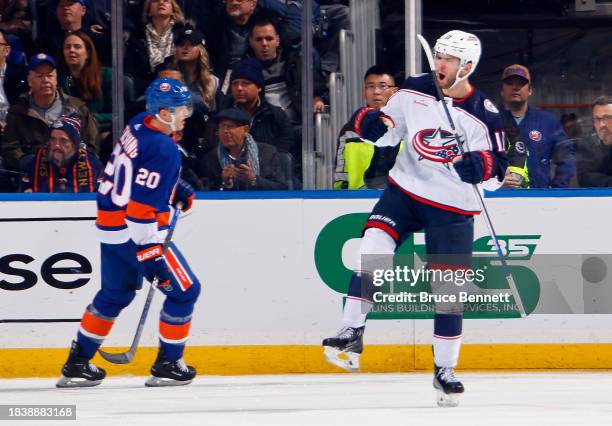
[(238, 360)]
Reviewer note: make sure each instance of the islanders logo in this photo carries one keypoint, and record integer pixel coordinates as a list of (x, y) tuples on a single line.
[(535, 136), (436, 145)]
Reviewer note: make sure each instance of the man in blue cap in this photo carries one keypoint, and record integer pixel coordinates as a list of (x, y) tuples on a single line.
[(28, 121)]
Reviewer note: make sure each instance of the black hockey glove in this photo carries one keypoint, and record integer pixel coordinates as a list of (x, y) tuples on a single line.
[(183, 195), (153, 262), (476, 166), (371, 123)]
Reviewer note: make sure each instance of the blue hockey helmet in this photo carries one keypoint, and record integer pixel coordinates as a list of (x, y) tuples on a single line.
[(167, 93)]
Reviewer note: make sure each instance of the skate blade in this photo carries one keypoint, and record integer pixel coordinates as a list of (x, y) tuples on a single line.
[(447, 399), (348, 361), (76, 382), (155, 382)]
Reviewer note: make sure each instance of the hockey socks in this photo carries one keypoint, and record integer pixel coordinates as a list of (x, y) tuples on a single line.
[(358, 302), (173, 334), (447, 339), (93, 330)]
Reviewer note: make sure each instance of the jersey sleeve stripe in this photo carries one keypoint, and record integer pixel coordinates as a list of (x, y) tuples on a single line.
[(140, 210)]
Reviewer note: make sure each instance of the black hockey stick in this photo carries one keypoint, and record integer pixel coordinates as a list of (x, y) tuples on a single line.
[(492, 233), (127, 357)]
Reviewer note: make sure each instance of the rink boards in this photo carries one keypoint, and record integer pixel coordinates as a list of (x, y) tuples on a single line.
[(272, 267)]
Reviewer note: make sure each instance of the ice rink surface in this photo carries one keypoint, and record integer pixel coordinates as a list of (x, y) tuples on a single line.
[(340, 400)]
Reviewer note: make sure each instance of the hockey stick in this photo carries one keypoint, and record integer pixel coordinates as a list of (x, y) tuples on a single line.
[(127, 357), (492, 233)]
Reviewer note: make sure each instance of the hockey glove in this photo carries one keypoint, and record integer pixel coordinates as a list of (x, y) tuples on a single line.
[(153, 262), (371, 123), (183, 195), (476, 166)]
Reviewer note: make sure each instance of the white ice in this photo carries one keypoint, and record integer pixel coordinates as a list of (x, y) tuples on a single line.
[(517, 399)]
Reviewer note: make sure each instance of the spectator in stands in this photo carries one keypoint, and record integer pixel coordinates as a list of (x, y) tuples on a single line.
[(81, 75), (198, 137), (228, 34), (12, 79), (99, 17), (192, 58), (594, 155), (282, 70), (230, 38), (359, 164), (541, 131), (28, 121), (15, 18), (269, 124), (239, 162), (63, 164), (70, 17), (154, 43)]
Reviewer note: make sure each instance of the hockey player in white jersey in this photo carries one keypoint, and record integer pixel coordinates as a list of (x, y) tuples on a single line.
[(429, 189)]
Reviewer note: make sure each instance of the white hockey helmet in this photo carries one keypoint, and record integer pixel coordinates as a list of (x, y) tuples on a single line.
[(462, 45)]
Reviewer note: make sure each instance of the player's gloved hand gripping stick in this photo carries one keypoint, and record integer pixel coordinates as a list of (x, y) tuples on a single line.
[(470, 174), (157, 272)]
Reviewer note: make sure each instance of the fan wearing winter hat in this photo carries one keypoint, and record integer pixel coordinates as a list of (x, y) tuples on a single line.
[(269, 123), (63, 164)]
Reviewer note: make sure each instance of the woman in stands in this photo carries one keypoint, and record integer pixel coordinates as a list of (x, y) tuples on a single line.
[(154, 43), (198, 138), (81, 75)]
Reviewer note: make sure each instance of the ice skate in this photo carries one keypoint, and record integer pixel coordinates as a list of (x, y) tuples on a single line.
[(79, 372), (170, 373), (447, 386), (344, 349)]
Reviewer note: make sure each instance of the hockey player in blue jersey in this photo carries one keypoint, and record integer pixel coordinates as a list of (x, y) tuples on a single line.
[(140, 184), (429, 189)]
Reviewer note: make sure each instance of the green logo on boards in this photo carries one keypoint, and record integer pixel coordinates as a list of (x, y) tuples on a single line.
[(516, 249)]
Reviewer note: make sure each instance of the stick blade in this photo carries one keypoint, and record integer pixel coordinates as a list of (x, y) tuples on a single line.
[(118, 358)]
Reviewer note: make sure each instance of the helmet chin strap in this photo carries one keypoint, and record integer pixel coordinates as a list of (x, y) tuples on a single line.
[(171, 123), (460, 79)]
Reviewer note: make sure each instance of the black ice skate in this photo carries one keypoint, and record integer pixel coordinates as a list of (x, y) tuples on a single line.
[(170, 373), (344, 349), (448, 387), (78, 372)]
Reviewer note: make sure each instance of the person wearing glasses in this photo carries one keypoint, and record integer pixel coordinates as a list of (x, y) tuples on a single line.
[(594, 155), (63, 164), (360, 165)]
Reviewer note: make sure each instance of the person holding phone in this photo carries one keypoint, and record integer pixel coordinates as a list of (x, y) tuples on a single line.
[(239, 162)]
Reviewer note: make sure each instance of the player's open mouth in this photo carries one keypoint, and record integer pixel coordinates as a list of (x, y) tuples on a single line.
[(441, 76)]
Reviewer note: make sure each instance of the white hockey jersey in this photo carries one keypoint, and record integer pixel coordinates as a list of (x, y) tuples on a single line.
[(423, 169)]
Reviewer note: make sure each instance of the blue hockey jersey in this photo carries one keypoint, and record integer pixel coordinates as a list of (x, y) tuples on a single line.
[(138, 185), (544, 135)]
